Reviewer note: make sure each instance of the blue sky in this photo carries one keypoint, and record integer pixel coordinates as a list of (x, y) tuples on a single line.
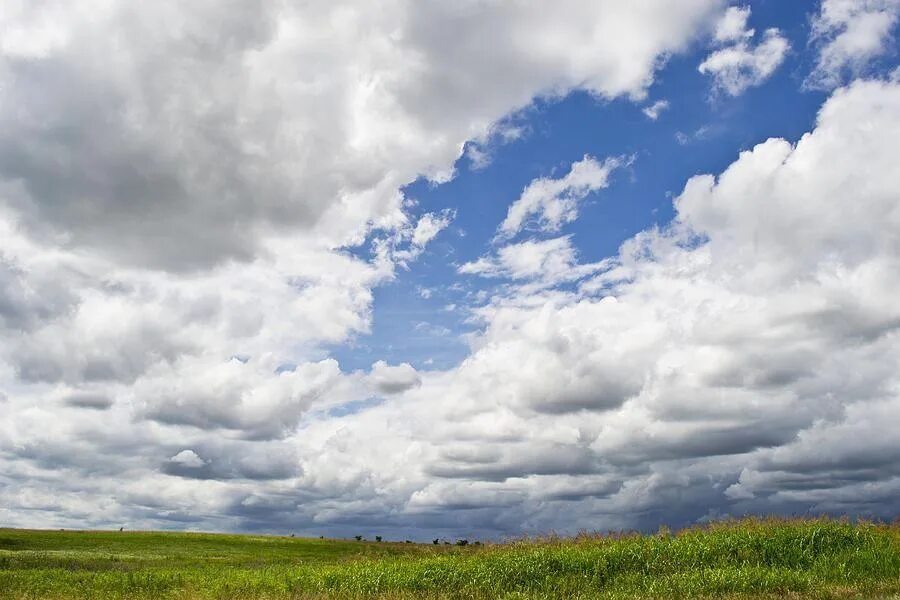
[(462, 269)]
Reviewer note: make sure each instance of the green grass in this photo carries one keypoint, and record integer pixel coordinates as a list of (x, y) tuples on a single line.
[(740, 559)]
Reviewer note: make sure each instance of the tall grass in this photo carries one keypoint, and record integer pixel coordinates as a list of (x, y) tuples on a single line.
[(747, 558)]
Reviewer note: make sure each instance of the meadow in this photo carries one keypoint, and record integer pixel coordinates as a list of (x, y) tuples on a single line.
[(750, 558)]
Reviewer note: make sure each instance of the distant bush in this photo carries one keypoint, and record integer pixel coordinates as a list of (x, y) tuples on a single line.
[(435, 542), (462, 542), (377, 538), (358, 538)]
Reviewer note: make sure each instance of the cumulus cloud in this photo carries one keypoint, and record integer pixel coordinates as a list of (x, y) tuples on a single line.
[(429, 226), (196, 203), (732, 26), (176, 216), (548, 261), (389, 379), (179, 136), (417, 237), (188, 458), (551, 203), (738, 65), (241, 396), (850, 33), (729, 363), (179, 183), (653, 111)]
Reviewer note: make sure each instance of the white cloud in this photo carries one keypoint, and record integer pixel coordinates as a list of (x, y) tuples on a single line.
[(732, 26), (255, 399), (198, 130), (739, 65), (178, 182), (174, 217), (409, 242), (551, 203), (654, 110), (428, 226), (479, 151), (729, 364), (546, 261), (188, 458), (850, 33), (388, 379)]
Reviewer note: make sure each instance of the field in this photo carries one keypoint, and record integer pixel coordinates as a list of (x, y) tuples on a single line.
[(739, 559)]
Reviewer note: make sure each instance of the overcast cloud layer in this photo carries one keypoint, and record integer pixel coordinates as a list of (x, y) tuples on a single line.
[(197, 202)]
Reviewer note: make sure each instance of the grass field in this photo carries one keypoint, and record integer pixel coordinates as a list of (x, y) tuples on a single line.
[(741, 559)]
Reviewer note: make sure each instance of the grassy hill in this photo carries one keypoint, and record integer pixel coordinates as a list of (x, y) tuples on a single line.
[(741, 559)]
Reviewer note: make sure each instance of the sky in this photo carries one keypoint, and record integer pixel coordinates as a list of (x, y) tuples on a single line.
[(472, 269)]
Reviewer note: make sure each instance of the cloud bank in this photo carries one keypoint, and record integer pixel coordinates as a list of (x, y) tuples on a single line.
[(197, 203), (740, 360)]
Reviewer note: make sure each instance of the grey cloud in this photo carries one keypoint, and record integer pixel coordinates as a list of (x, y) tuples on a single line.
[(601, 393), (263, 508), (703, 441), (55, 353), (392, 379), (88, 400), (25, 302), (521, 461), (578, 488), (101, 160), (854, 323), (241, 396), (237, 460), (773, 369)]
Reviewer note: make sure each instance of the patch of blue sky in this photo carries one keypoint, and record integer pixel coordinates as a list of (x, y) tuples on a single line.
[(353, 407)]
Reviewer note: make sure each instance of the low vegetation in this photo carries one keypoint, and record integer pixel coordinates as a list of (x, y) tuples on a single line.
[(739, 559)]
